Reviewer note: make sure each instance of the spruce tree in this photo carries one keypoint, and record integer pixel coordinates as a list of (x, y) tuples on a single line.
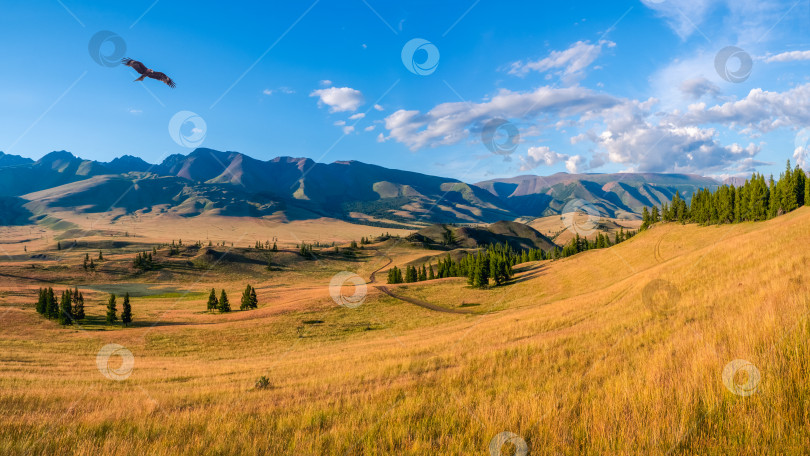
[(52, 309), (224, 305), (65, 310), (213, 303), (100, 256), (78, 311), (126, 313), (111, 317), (245, 302), (254, 300), (41, 301)]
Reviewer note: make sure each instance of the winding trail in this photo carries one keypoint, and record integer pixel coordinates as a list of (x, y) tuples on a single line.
[(414, 301)]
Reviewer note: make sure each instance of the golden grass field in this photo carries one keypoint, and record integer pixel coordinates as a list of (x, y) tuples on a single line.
[(614, 351)]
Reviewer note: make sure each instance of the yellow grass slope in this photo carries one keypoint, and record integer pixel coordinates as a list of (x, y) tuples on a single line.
[(572, 358)]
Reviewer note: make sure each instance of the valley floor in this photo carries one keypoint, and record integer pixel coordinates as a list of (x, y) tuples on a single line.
[(623, 350)]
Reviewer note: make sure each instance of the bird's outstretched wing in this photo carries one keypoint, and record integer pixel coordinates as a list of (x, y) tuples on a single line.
[(138, 66), (162, 77)]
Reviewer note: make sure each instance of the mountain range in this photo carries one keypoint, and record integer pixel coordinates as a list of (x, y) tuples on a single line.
[(234, 184)]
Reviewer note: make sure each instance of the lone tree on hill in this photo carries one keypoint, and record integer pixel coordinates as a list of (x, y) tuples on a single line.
[(224, 304), (111, 318), (126, 314), (213, 303)]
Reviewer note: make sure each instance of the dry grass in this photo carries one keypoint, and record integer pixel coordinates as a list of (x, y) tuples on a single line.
[(569, 357)]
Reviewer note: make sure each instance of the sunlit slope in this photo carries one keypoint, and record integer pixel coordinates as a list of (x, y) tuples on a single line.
[(571, 358)]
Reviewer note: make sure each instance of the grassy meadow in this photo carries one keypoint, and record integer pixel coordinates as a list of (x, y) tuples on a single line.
[(613, 351)]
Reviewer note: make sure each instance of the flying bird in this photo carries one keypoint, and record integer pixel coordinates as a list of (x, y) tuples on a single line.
[(146, 72)]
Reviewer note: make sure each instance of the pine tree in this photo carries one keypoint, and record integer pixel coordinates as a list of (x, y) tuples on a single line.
[(101, 256), (431, 274), (86, 259), (92, 265), (254, 300), (245, 302), (52, 308), (224, 305), (65, 310), (213, 303), (78, 310), (126, 313), (41, 302), (111, 317), (58, 245)]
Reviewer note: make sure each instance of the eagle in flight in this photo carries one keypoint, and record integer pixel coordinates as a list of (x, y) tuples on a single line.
[(146, 72)]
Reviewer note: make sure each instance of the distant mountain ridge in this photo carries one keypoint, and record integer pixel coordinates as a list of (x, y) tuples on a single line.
[(231, 183), (616, 195)]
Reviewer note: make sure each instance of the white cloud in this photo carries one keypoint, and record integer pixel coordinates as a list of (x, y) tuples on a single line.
[(630, 138), (339, 99), (449, 123), (359, 115), (369, 128), (570, 63), (339, 123), (348, 129), (697, 87), (745, 18), (791, 56), (325, 82), (543, 155), (760, 110), (378, 107), (381, 138), (284, 90), (134, 111)]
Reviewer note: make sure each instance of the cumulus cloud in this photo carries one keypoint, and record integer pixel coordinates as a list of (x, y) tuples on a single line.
[(378, 107), (791, 56), (543, 155), (697, 87), (760, 110), (359, 115), (630, 138), (569, 64), (369, 128), (449, 123), (339, 99)]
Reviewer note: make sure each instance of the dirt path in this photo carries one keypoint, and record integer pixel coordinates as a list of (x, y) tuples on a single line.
[(414, 301)]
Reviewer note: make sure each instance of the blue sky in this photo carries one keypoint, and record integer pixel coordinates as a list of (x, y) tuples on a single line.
[(587, 86)]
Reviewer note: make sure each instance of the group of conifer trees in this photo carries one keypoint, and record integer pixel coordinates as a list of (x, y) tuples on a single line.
[(266, 246), (412, 274), (755, 200), (249, 300), (143, 261), (126, 312), (492, 263), (88, 262), (580, 244), (70, 307)]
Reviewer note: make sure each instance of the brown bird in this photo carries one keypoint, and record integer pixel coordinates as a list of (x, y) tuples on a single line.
[(146, 72)]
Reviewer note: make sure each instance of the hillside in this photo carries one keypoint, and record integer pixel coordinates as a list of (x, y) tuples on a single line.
[(517, 235), (642, 330)]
